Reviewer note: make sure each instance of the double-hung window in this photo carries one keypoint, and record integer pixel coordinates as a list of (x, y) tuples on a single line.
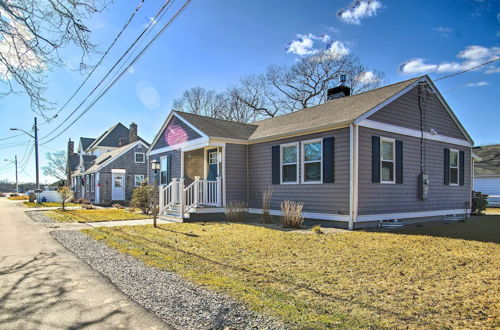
[(289, 162), (139, 157), (138, 180), (454, 167), (164, 170), (312, 161), (387, 160)]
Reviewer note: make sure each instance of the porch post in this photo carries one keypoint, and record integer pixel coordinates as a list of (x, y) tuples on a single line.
[(175, 191), (181, 197), (196, 190), (219, 191)]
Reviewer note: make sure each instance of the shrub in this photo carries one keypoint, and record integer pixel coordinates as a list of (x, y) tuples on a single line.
[(65, 194), (266, 205), (118, 206), (18, 198), (88, 206), (479, 202), (236, 211), (317, 230), (143, 198), (291, 214), (82, 200)]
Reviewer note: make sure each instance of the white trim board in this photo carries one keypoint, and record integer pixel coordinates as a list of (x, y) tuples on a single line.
[(308, 215), (412, 132), (408, 215)]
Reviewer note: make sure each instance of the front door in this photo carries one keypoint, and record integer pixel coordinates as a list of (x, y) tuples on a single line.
[(118, 187), (212, 164)]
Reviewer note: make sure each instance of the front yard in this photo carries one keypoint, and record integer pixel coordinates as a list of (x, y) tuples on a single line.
[(350, 280), (48, 204), (94, 215)]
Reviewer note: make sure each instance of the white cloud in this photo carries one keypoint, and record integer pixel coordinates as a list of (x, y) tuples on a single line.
[(492, 70), (367, 77), (444, 31), (304, 45), (471, 56), (338, 49), (147, 94), (478, 84), (358, 10)]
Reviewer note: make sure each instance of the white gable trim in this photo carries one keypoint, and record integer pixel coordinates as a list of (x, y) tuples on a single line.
[(412, 132), (426, 79), (109, 161), (165, 124)]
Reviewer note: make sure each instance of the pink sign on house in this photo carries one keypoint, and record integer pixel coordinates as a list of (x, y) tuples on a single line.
[(175, 134)]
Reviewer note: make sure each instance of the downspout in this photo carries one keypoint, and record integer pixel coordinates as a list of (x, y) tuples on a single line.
[(353, 174)]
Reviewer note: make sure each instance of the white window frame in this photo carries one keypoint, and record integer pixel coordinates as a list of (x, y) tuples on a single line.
[(296, 145), (303, 162), (457, 167), (143, 157), (92, 182), (135, 179), (393, 141)]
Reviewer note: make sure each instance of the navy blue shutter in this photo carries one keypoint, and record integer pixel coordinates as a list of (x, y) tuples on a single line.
[(169, 168), (461, 163), (328, 159), (375, 158), (399, 161), (446, 166), (275, 164)]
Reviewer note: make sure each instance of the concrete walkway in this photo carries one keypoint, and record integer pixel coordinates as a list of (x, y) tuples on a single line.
[(44, 286)]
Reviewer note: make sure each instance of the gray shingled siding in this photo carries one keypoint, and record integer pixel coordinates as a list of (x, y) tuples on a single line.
[(404, 112), (127, 162), (190, 133), (236, 172), (378, 198), (175, 164), (331, 198)]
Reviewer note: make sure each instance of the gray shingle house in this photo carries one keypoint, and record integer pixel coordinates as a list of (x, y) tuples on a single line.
[(107, 169), (393, 153)]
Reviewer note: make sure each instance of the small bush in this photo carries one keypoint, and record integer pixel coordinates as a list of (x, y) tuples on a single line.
[(236, 211), (317, 230), (143, 198), (291, 214), (266, 205), (18, 198), (479, 202), (82, 200), (65, 194), (88, 206), (118, 206)]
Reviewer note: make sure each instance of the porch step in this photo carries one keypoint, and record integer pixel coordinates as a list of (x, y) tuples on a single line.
[(170, 218)]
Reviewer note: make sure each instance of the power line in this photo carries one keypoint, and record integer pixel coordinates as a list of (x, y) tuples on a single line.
[(110, 70), (125, 70), (100, 60), (10, 137), (470, 69)]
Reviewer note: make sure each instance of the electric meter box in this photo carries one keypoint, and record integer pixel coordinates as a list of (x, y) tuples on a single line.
[(423, 186)]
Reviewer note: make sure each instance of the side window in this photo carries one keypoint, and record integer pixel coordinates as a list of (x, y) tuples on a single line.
[(387, 160), (454, 167), (164, 170), (138, 180), (312, 161), (289, 163), (139, 157)]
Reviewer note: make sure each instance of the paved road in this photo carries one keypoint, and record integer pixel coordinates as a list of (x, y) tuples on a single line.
[(44, 286)]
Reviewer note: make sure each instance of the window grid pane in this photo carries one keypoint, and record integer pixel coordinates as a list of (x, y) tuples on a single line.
[(312, 151), (289, 155), (289, 173), (387, 150)]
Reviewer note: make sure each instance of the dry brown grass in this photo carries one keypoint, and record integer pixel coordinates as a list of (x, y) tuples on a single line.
[(349, 280), (266, 205), (236, 211), (291, 214)]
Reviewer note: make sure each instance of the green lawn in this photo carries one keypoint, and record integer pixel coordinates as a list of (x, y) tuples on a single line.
[(347, 280), (94, 215), (47, 204)]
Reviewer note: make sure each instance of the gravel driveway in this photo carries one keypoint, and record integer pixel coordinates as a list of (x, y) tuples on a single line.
[(179, 303)]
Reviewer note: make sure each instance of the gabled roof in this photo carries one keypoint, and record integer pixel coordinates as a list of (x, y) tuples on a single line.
[(88, 160), (111, 137), (218, 127), (86, 142), (73, 162), (489, 162), (331, 114), (110, 156)]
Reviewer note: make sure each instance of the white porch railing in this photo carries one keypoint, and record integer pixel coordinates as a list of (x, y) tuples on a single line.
[(182, 199)]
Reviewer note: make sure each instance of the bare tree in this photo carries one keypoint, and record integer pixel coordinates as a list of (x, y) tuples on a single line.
[(286, 89), (32, 34), (56, 166)]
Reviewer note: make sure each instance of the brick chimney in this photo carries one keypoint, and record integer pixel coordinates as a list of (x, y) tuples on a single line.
[(71, 151), (340, 91), (133, 133), (121, 142), (71, 147)]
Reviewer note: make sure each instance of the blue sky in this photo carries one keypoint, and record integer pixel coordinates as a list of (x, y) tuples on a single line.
[(213, 43)]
